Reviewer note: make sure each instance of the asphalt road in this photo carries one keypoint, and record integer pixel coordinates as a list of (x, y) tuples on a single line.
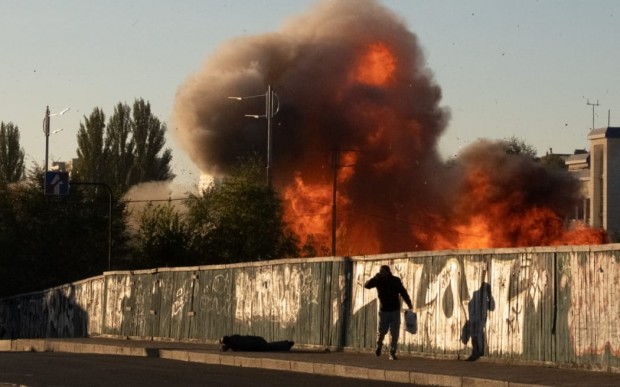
[(66, 369)]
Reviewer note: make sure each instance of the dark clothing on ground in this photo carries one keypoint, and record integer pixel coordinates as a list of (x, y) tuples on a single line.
[(253, 343)]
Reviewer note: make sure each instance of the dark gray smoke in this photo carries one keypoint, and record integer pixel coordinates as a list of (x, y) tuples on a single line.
[(315, 63), (347, 73)]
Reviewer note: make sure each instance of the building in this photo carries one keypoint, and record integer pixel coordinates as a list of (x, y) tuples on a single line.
[(599, 170), (63, 166), (604, 185), (579, 165)]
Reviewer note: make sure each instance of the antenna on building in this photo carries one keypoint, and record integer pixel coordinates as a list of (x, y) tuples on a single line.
[(608, 117), (593, 105)]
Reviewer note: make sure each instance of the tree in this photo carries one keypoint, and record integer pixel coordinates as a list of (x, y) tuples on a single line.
[(163, 237), (129, 153), (148, 136), (516, 146), (119, 148), (90, 150), (238, 218), (59, 238), (11, 154), (9, 241)]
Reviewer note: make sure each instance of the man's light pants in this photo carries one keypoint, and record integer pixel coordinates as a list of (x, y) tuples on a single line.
[(389, 321)]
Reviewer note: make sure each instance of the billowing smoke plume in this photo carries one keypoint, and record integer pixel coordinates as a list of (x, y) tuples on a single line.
[(154, 193), (354, 97)]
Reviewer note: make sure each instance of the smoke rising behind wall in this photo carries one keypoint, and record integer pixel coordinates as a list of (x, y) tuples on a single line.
[(350, 75)]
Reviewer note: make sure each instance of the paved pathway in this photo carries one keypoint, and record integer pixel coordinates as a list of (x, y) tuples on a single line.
[(362, 365)]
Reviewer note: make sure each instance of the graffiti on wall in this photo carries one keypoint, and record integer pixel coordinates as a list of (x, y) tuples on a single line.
[(338, 301), (274, 293), (533, 305), (59, 307), (441, 301), (118, 291), (180, 298), (592, 283), (89, 297), (465, 303), (215, 294)]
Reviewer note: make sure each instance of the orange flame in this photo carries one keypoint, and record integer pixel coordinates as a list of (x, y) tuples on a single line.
[(308, 209), (395, 192), (487, 221), (581, 235), (484, 215), (376, 66), (308, 206)]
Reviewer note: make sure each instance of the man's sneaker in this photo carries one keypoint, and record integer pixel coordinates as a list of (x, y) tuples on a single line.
[(378, 350), (392, 355)]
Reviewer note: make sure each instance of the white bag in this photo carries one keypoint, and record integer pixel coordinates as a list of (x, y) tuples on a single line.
[(411, 322)]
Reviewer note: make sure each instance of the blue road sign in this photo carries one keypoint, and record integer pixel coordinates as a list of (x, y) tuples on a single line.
[(56, 183)]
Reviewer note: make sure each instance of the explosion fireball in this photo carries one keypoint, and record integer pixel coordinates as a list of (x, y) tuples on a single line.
[(356, 99)]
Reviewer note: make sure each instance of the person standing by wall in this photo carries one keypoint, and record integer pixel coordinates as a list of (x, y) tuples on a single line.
[(389, 290)]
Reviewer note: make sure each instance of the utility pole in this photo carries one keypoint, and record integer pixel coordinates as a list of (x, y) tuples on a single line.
[(270, 114), (336, 164), (46, 130), (335, 167), (270, 97), (593, 105)]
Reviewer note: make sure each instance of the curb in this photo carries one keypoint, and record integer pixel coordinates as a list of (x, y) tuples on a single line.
[(196, 356)]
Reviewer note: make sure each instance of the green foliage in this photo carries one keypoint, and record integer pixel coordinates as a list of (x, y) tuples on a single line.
[(119, 148), (11, 154), (53, 239), (148, 137), (163, 237), (128, 153), (90, 150), (238, 219), (46, 240)]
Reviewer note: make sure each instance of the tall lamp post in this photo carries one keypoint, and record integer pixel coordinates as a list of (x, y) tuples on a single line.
[(270, 97), (46, 131)]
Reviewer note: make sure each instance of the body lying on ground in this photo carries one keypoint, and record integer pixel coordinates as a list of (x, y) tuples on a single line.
[(253, 343)]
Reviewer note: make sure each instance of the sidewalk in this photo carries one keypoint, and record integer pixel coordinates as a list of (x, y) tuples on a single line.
[(361, 365)]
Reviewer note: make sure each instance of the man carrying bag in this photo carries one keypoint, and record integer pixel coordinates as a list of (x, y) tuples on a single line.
[(389, 290)]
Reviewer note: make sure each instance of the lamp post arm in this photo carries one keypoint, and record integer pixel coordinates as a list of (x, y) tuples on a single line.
[(248, 97), (46, 131), (277, 100), (270, 111)]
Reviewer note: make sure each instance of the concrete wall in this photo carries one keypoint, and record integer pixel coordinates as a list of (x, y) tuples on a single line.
[(553, 305)]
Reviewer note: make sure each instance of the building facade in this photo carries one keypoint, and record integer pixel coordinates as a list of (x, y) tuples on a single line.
[(604, 184), (599, 172)]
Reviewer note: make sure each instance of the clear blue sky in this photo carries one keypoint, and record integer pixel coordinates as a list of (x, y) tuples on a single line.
[(523, 68)]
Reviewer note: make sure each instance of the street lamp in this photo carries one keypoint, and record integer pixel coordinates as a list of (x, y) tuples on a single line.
[(46, 131), (270, 97)]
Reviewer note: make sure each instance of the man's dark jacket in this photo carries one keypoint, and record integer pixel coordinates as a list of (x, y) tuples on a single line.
[(389, 288)]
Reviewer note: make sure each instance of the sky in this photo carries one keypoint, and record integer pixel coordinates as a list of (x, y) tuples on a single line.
[(506, 68)]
